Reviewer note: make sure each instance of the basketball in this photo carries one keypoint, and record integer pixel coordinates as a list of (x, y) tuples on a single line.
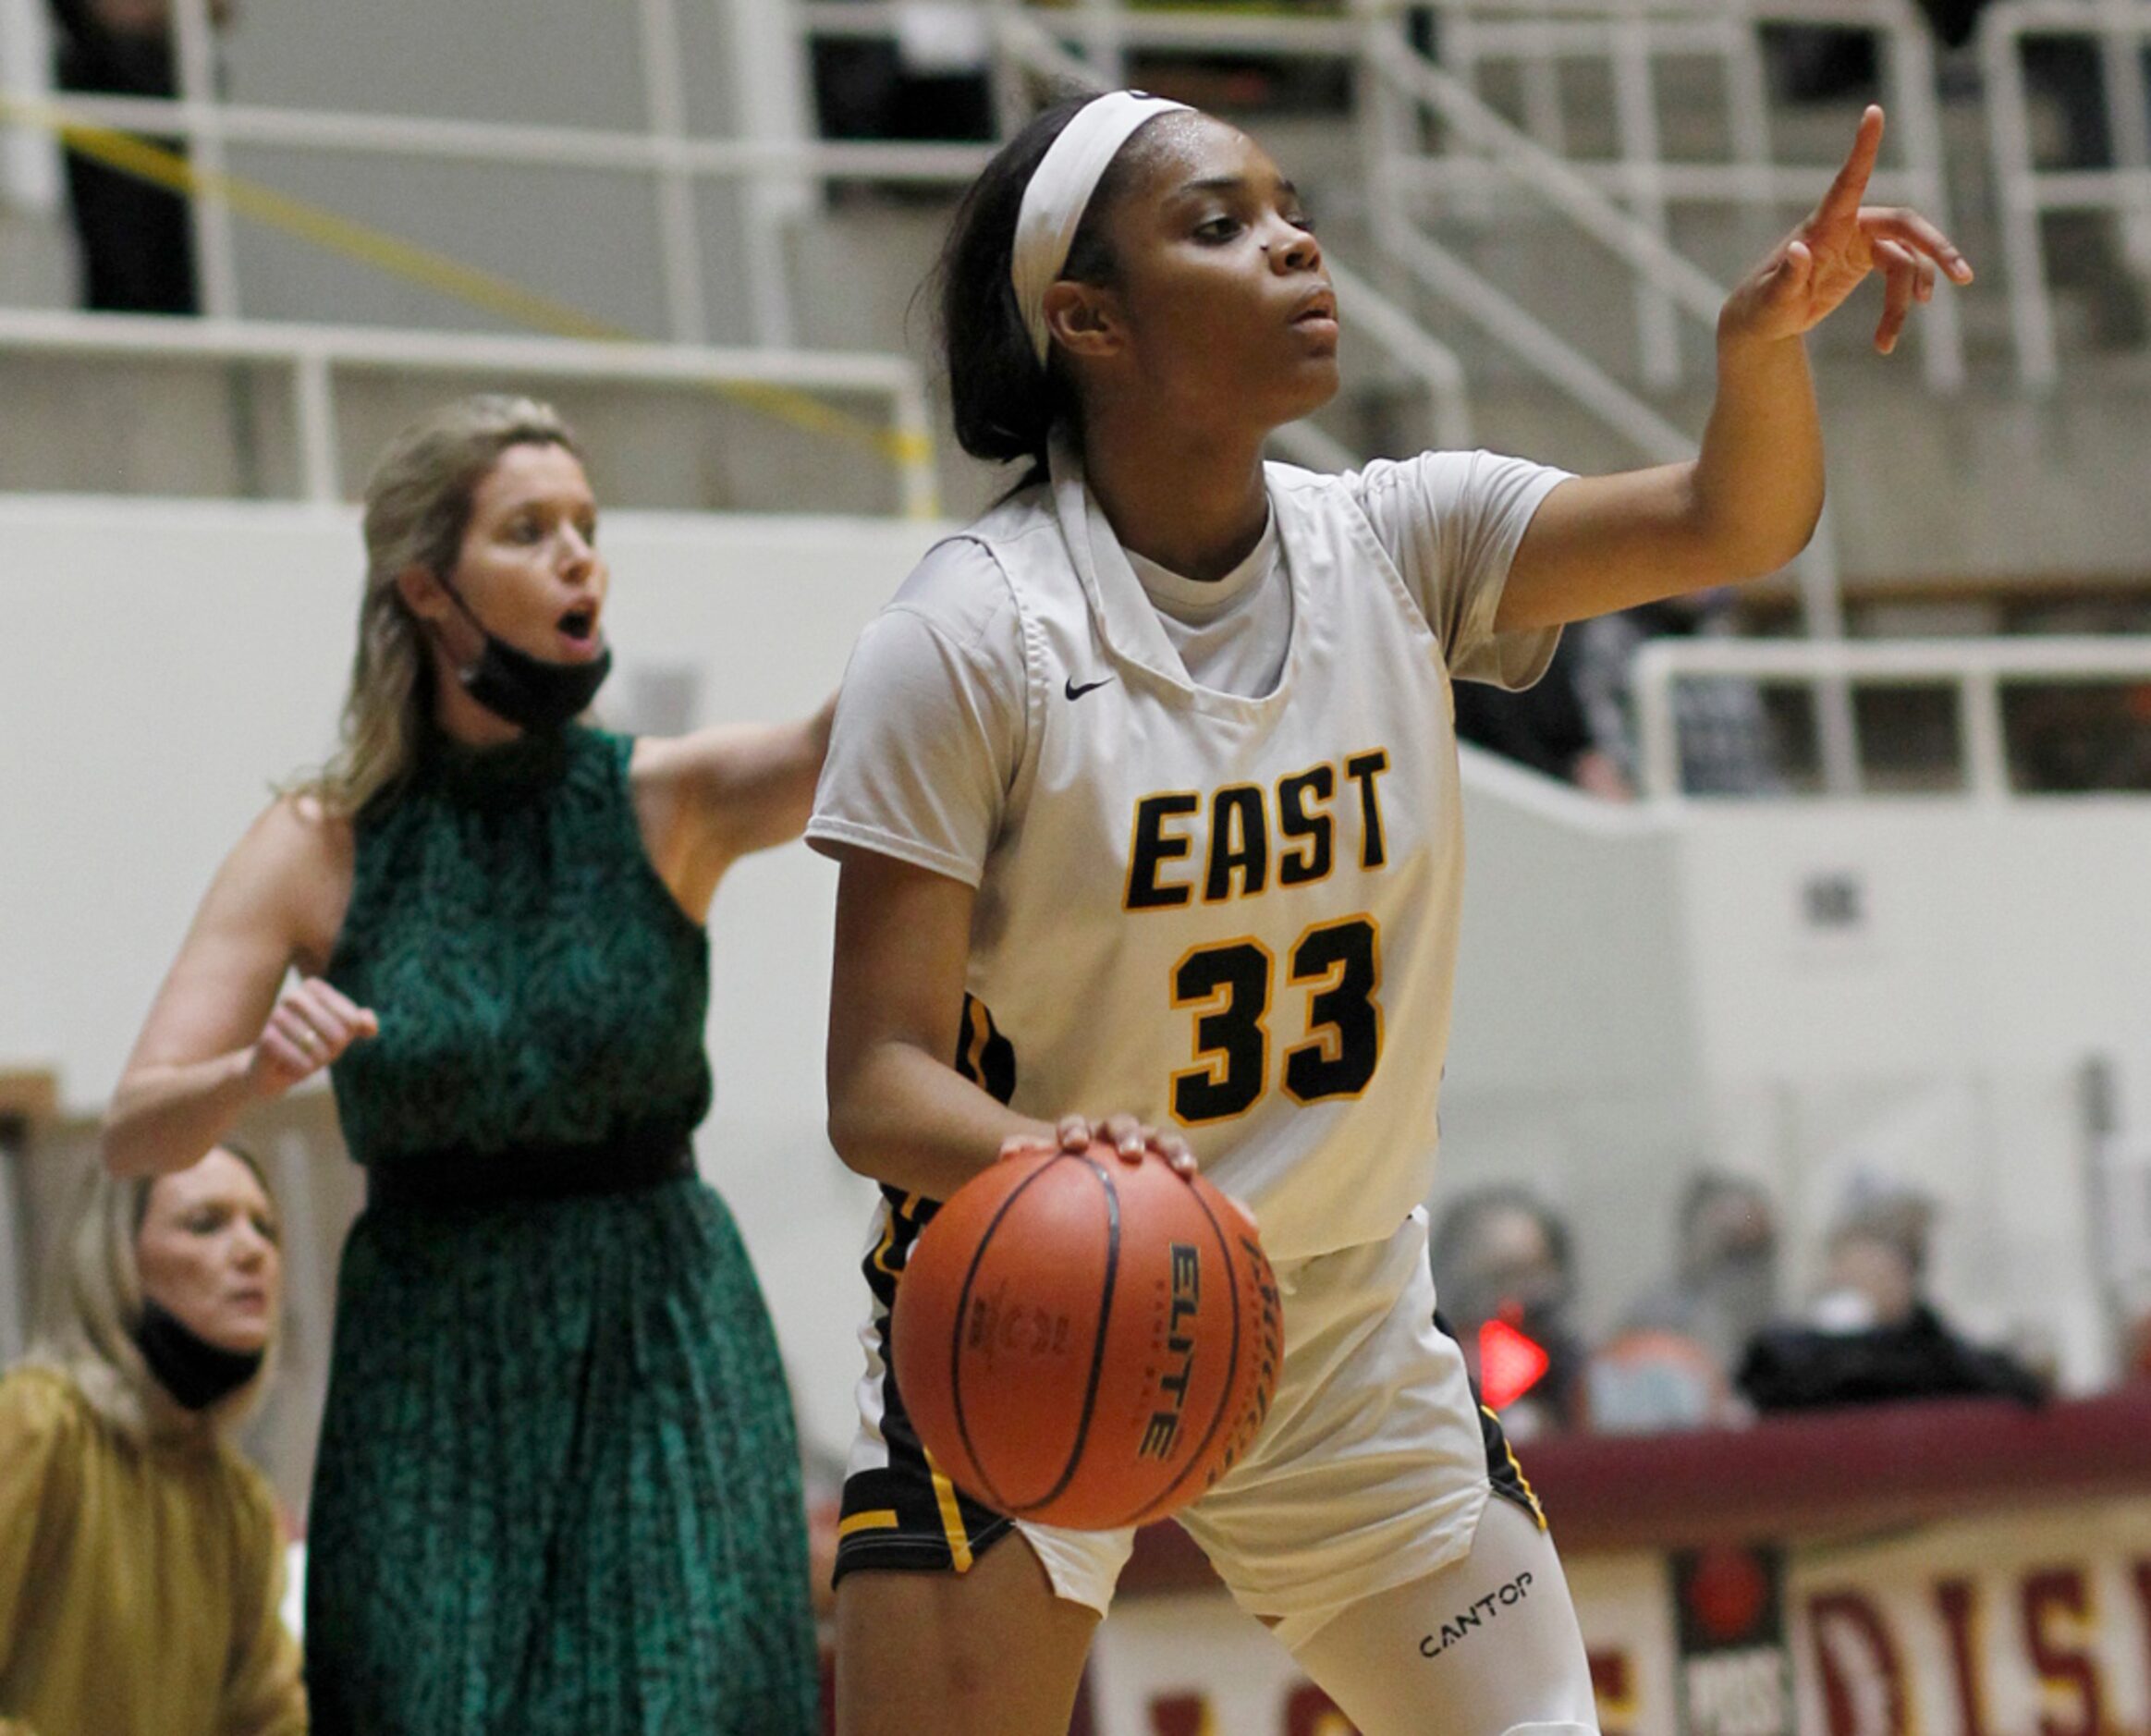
[(1084, 1341)]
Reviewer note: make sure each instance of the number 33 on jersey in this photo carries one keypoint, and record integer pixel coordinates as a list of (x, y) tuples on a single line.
[(1252, 837)]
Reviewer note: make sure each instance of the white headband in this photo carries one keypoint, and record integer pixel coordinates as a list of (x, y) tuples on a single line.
[(1061, 191)]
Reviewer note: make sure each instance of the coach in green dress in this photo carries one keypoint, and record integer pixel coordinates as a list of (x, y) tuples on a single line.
[(557, 1488)]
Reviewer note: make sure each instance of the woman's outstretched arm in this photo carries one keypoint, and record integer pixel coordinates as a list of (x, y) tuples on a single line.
[(710, 797)]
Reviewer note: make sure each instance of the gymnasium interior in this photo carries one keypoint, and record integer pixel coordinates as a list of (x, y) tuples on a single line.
[(1870, 970)]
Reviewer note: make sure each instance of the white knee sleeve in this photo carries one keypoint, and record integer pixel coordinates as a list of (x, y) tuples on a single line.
[(1488, 1646)]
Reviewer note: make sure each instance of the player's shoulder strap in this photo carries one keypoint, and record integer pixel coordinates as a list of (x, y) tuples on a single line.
[(1328, 502)]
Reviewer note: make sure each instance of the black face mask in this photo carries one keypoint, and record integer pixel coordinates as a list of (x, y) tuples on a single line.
[(186, 1365), (531, 693)]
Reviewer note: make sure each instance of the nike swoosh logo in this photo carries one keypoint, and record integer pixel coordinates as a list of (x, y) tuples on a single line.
[(1073, 692)]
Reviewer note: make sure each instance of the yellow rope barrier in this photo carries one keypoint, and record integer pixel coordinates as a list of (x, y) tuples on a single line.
[(376, 247)]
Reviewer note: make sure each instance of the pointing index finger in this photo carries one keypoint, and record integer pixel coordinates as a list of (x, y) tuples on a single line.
[(1842, 202)]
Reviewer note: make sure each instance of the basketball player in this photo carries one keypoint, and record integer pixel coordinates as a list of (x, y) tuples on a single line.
[(1145, 794)]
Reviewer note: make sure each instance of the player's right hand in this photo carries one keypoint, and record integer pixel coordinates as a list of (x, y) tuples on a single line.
[(311, 1026), (1128, 1135)]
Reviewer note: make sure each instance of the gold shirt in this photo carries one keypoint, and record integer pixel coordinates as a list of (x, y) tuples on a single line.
[(139, 1581)]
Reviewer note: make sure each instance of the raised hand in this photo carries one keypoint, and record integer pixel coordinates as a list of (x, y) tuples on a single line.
[(1822, 261), (310, 1027), (1127, 1134)]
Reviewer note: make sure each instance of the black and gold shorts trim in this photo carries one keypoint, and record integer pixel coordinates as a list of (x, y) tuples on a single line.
[(1503, 1471), (905, 1515)]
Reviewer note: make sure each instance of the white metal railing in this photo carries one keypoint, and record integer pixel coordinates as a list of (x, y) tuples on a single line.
[(1976, 671), (775, 149), (669, 164), (1629, 33), (317, 354), (1405, 77), (1622, 203), (2119, 31), (30, 164), (1630, 40), (675, 163)]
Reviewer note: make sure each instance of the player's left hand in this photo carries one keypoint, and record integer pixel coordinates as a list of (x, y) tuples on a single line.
[(1821, 262)]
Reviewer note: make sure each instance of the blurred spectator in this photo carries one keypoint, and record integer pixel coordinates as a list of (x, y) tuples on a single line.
[(2079, 737), (135, 239), (140, 1557), (1670, 1365), (1543, 727), (926, 81), (1501, 1254), (1871, 1335), (1646, 1380), (1816, 63), (1726, 1288), (1727, 747)]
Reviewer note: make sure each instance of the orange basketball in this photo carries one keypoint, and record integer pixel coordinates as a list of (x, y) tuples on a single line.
[(1085, 1342)]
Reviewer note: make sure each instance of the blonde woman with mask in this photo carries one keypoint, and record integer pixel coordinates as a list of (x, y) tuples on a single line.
[(557, 1490), (142, 1561)]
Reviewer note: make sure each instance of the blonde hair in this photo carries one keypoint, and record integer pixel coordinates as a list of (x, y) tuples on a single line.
[(418, 505), (93, 1298)]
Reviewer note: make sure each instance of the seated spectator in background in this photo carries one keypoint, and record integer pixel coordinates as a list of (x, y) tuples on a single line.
[(929, 79), (140, 1557), (1871, 1336), (1543, 728), (1671, 1363), (1501, 1254), (135, 239), (1728, 746), (1725, 1287), (2078, 736)]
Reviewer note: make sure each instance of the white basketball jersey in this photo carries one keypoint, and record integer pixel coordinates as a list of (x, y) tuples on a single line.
[(1234, 917)]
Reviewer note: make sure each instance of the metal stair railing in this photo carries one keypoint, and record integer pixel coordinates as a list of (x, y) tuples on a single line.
[(2121, 32), (1407, 76), (1628, 37)]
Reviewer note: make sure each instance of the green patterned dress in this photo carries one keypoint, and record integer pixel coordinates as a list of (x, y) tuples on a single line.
[(558, 1489)]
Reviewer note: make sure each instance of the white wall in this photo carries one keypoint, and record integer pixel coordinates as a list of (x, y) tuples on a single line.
[(1940, 1040), (1573, 1062)]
